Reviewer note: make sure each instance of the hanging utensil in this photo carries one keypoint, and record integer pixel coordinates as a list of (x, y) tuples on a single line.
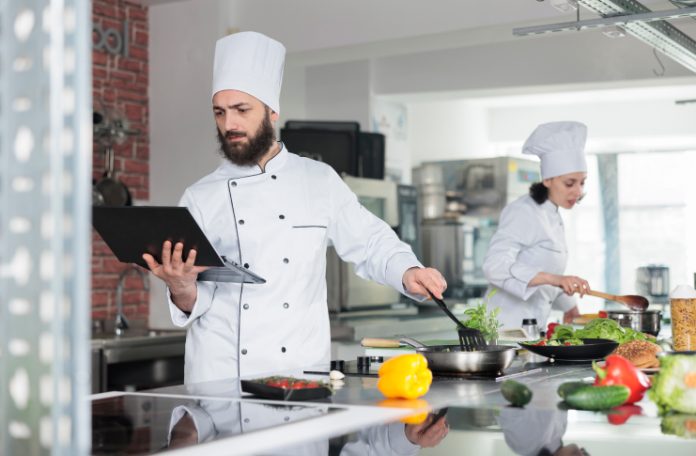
[(112, 191), (633, 302)]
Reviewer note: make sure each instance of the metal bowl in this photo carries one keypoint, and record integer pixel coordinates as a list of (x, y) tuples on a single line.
[(647, 321)]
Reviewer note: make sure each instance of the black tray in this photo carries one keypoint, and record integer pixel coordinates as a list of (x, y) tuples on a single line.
[(591, 350), (262, 390)]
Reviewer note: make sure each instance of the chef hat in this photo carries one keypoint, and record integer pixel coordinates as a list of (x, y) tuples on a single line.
[(252, 63), (560, 146)]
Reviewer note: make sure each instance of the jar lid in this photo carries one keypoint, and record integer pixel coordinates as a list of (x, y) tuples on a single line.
[(529, 321)]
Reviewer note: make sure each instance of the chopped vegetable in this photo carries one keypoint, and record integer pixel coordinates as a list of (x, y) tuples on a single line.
[(405, 376), (674, 386), (620, 371), (563, 332)]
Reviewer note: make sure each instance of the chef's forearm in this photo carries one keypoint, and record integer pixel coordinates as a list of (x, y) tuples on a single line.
[(184, 298), (544, 278)]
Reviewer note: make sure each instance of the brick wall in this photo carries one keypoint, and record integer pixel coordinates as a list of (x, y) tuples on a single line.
[(120, 85)]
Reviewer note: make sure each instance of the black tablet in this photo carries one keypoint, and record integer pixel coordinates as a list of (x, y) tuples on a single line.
[(131, 231)]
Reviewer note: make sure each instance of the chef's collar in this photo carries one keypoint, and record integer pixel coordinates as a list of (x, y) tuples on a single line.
[(234, 171), (550, 206)]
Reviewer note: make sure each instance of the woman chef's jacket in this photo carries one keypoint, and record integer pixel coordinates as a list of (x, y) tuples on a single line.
[(530, 239), (278, 223)]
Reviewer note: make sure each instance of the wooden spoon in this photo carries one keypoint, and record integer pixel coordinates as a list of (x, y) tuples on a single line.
[(633, 302)]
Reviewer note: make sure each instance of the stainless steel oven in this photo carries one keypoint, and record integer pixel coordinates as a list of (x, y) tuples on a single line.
[(346, 291)]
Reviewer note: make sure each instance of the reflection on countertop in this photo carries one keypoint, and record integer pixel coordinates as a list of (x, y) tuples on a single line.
[(356, 420)]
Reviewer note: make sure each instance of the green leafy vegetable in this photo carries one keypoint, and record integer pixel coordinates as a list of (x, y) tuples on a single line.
[(563, 332), (483, 320), (674, 387)]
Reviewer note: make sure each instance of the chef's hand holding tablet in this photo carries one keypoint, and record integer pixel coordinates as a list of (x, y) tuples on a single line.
[(178, 273)]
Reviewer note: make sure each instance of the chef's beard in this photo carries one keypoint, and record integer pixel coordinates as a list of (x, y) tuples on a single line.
[(249, 153)]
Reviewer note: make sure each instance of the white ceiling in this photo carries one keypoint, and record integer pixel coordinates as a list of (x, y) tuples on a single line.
[(310, 25)]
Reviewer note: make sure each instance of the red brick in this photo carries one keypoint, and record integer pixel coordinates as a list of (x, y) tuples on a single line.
[(132, 96), (137, 167), (102, 9), (136, 12), (99, 57), (100, 298), (140, 38), (104, 282), (137, 52), (133, 65)]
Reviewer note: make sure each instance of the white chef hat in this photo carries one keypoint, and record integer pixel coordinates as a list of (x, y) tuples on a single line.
[(560, 146), (252, 63)]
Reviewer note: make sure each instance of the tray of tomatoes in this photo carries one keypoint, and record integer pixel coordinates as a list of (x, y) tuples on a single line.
[(286, 388)]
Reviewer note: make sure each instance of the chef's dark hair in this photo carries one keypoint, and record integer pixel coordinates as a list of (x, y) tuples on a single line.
[(539, 192)]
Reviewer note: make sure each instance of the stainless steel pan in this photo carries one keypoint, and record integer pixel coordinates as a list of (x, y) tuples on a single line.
[(451, 358)]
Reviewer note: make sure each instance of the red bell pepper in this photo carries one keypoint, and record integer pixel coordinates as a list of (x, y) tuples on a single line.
[(619, 371), (550, 329)]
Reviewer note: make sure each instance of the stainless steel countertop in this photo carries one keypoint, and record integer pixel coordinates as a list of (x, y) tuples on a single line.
[(475, 408)]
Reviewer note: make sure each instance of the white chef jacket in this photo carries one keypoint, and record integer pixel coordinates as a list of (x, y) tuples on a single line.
[(277, 223), (530, 239), (527, 430)]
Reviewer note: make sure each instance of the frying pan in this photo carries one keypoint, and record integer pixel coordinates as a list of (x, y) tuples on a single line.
[(451, 358), (112, 191)]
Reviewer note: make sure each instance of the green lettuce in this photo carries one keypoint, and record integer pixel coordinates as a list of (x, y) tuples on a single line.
[(669, 389), (680, 425)]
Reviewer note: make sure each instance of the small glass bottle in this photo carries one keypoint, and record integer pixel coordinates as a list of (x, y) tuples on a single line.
[(530, 327)]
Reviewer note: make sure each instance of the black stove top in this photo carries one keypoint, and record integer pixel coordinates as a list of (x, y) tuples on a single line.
[(362, 367)]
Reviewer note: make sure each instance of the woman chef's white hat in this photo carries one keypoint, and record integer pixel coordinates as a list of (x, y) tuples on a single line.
[(252, 63), (560, 146)]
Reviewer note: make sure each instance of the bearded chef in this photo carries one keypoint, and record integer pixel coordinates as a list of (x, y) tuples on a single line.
[(526, 260), (273, 212)]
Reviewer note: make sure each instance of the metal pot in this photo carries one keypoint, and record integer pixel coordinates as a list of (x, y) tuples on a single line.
[(647, 321)]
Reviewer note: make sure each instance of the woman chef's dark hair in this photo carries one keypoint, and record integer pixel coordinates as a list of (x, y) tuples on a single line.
[(560, 147)]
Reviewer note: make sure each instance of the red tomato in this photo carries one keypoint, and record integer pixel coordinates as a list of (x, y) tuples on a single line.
[(300, 384)]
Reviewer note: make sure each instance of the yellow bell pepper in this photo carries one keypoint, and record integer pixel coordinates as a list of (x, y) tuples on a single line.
[(405, 376), (416, 404)]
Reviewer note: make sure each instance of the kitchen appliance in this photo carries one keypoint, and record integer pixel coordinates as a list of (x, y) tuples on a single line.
[(431, 190), (457, 249), (647, 321), (408, 228), (653, 281), (346, 290), (484, 186), (340, 144)]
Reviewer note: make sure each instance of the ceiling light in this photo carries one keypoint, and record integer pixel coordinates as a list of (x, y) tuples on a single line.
[(565, 6), (614, 32), (651, 27)]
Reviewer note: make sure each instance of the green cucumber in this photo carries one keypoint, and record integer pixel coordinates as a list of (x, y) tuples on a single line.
[(567, 387), (516, 393), (592, 397)]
